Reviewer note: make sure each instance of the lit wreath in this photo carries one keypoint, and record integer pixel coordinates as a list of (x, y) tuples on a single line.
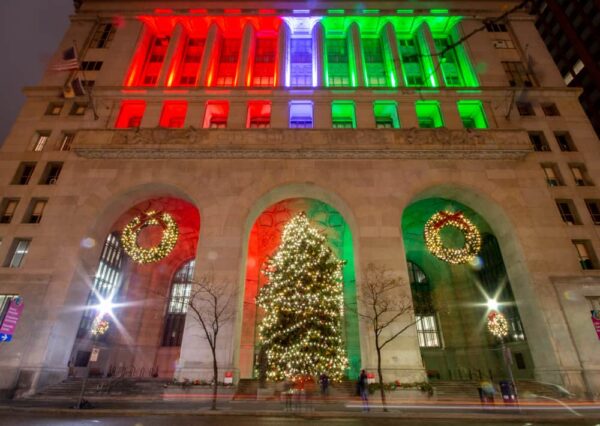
[(132, 230), (497, 324), (455, 256), (100, 326)]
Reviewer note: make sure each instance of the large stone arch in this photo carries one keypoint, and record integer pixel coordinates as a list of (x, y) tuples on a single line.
[(526, 290), (293, 191)]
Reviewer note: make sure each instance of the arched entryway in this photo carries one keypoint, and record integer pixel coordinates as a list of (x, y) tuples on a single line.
[(148, 296), (452, 301), (263, 241)]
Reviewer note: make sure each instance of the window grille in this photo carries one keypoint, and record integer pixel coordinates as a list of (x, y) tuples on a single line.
[(179, 299)]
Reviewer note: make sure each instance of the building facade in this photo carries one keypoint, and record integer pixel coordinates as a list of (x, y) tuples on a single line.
[(205, 127), (569, 30)]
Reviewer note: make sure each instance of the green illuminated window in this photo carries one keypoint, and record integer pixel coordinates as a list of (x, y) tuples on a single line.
[(343, 115), (412, 64), (455, 65), (429, 114), (472, 114), (338, 62), (374, 62), (386, 115)]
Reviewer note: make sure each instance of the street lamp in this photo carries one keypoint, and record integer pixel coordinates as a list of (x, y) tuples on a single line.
[(498, 327)]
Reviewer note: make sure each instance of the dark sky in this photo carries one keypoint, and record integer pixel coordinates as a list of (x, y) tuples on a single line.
[(30, 31)]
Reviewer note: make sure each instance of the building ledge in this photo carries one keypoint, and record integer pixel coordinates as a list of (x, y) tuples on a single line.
[(302, 143)]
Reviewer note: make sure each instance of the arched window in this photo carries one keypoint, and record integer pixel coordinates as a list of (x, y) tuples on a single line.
[(107, 281), (179, 299), (425, 315)]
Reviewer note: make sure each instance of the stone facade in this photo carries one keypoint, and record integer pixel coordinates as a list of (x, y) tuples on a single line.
[(370, 176)]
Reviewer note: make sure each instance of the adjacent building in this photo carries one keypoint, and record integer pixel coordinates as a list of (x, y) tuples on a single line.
[(429, 137)]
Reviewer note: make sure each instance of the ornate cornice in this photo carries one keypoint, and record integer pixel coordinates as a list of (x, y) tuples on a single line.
[(296, 143)]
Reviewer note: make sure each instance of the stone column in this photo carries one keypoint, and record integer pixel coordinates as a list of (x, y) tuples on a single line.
[(319, 54), (195, 115), (322, 114), (246, 58), (407, 114), (356, 45), (450, 114), (151, 116), (391, 41), (211, 50), (279, 114), (282, 54), (428, 37), (238, 114), (177, 37), (365, 118)]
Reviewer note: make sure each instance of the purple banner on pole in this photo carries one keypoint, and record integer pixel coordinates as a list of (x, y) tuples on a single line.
[(596, 321), (12, 316)]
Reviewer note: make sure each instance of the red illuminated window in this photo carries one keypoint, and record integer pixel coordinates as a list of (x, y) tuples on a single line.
[(228, 60), (131, 114), (216, 115), (259, 115), (156, 50), (173, 114), (264, 62), (189, 68)]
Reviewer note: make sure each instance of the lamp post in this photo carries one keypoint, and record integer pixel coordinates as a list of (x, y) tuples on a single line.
[(498, 327), (98, 328)]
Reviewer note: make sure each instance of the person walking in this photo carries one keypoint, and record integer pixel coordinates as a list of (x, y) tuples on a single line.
[(324, 381), (363, 389)]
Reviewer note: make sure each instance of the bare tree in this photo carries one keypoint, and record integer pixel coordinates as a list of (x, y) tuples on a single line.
[(211, 305), (382, 307)]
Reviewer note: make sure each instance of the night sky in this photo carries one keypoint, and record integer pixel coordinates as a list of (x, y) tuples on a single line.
[(30, 31)]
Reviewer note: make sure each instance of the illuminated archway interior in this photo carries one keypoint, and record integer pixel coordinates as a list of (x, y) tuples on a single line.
[(141, 339), (264, 239), (453, 300)]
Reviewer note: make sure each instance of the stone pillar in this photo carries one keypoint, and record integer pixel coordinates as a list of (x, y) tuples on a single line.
[(238, 114), (391, 41), (246, 58), (211, 50), (279, 114), (195, 115), (428, 37), (365, 117), (151, 116), (450, 115), (319, 55), (407, 114), (282, 54), (322, 114), (177, 37), (356, 45)]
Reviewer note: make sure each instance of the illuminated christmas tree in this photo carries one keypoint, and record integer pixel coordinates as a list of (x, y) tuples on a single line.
[(303, 303)]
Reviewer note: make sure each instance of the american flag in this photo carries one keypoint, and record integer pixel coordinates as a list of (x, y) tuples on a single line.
[(68, 62)]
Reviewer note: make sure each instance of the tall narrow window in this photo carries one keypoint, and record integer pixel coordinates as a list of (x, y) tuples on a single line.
[(41, 138), (155, 57), (472, 114), (517, 74), (23, 174), (565, 142), (189, 68), (259, 115), (67, 141), (374, 62), (567, 212), (55, 108), (412, 63), (179, 299), (107, 280), (35, 211), (301, 115), (301, 62), (7, 209), (538, 141), (216, 115), (228, 61), (449, 62), (593, 207), (580, 175), (263, 73), (338, 62), (5, 300), (17, 253), (173, 114), (425, 315), (131, 114), (585, 253), (429, 114), (552, 174), (103, 36), (51, 174), (343, 115), (386, 115)]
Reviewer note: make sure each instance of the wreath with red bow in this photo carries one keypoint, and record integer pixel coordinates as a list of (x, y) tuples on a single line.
[(435, 245)]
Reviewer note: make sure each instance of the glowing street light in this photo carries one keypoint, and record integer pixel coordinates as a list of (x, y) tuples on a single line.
[(492, 304)]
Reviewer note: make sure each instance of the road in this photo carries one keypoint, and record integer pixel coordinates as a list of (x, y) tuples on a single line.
[(83, 419)]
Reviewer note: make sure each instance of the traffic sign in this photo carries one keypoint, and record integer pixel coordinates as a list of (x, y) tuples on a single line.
[(5, 337)]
